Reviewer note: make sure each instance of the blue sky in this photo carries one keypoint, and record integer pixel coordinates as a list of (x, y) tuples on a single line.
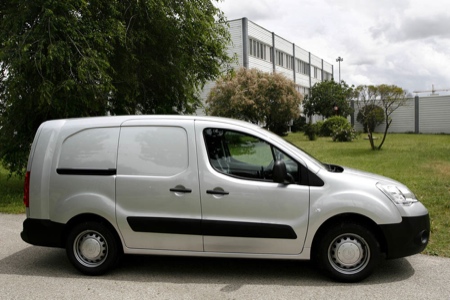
[(401, 42)]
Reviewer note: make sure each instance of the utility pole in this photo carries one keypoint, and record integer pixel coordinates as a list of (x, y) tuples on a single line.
[(339, 59)]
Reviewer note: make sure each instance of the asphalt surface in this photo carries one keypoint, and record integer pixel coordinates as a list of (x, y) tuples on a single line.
[(30, 272)]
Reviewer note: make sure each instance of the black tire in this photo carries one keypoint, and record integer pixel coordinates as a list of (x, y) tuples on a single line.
[(92, 248), (348, 252)]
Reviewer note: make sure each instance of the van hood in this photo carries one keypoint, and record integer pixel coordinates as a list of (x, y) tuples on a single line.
[(358, 174), (372, 176)]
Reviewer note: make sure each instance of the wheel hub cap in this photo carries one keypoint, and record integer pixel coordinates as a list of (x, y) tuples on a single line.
[(90, 248), (349, 253)]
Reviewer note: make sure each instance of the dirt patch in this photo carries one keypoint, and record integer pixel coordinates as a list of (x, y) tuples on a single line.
[(441, 168)]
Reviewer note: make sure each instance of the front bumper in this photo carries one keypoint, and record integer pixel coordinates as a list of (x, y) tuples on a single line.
[(408, 237)]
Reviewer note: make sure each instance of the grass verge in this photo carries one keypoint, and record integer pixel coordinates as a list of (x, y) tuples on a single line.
[(11, 193)]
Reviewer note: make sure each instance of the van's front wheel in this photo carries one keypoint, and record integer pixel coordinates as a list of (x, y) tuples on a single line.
[(348, 252), (92, 248)]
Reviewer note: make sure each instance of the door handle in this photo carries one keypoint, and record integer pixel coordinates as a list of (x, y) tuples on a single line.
[(180, 190), (213, 192)]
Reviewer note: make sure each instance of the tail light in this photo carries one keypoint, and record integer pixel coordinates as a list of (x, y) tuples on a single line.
[(26, 190)]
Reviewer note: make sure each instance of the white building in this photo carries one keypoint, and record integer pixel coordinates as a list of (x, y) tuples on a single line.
[(257, 47)]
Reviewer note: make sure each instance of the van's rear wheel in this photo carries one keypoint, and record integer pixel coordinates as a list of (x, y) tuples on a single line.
[(348, 252), (92, 248)]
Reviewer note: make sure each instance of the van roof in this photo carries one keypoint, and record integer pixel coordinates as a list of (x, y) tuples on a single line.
[(119, 120)]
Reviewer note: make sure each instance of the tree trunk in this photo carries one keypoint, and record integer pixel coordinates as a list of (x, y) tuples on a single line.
[(369, 134), (388, 123)]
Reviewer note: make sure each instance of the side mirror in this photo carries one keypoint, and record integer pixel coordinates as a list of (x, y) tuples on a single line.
[(279, 172)]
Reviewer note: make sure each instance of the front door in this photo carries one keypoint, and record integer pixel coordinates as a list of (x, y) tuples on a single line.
[(243, 210)]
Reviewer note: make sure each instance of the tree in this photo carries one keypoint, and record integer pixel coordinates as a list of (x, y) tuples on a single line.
[(75, 58), (170, 49), (370, 116), (327, 96), (257, 97), (370, 98)]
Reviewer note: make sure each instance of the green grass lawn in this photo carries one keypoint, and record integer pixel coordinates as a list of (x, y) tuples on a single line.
[(422, 162), (11, 193)]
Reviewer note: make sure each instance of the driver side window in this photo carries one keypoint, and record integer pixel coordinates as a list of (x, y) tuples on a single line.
[(244, 156)]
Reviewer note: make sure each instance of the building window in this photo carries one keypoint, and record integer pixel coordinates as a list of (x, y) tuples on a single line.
[(303, 90), (302, 67), (284, 60), (289, 64), (316, 72), (259, 50), (279, 58)]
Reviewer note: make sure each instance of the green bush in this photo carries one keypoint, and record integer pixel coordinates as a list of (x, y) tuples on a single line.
[(279, 128), (330, 123), (319, 125), (343, 133), (312, 131), (370, 116), (299, 124)]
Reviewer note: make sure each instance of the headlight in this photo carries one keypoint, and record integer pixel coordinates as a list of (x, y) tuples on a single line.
[(398, 195)]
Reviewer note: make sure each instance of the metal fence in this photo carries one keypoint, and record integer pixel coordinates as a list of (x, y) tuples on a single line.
[(429, 114)]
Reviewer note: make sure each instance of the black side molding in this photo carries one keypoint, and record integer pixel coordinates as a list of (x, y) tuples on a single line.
[(248, 229), (92, 172), (211, 227), (165, 225)]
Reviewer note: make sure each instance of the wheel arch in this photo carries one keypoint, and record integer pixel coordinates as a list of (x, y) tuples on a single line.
[(88, 217), (349, 218)]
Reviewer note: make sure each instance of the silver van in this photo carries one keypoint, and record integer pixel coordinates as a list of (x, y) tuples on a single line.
[(202, 186)]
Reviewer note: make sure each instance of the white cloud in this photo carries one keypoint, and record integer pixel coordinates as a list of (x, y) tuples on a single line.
[(416, 28), (254, 10), (404, 42)]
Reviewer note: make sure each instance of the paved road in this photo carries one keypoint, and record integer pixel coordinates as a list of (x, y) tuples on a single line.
[(29, 272)]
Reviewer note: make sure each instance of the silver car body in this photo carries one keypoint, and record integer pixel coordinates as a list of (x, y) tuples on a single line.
[(136, 172)]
